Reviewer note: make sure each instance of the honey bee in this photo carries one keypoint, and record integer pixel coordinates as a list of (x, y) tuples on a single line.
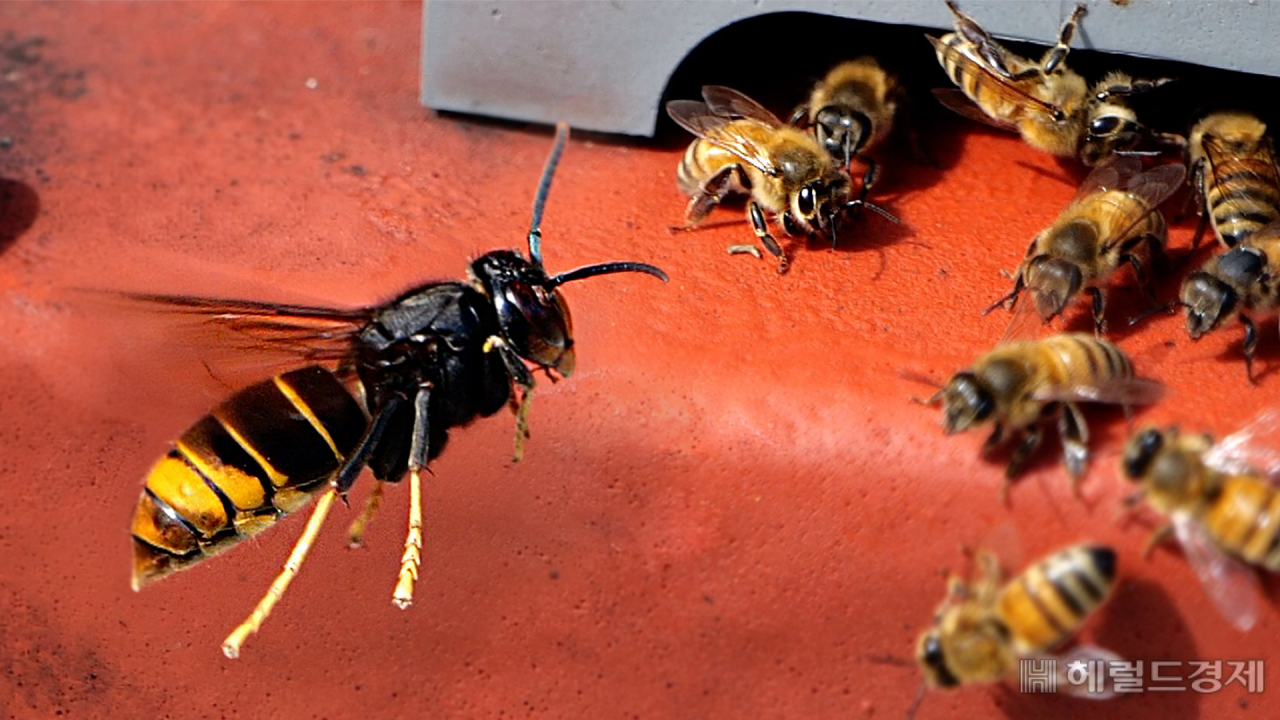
[(1049, 105), (1113, 221), (1019, 384), (436, 357), (1220, 501), (1233, 168), (1240, 282), (981, 630), (742, 148), (852, 110)]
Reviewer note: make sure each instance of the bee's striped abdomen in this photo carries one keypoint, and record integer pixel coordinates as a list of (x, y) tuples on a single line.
[(692, 172), (1080, 359), (1046, 604), (1244, 518), (233, 473), (1239, 201), (949, 53)]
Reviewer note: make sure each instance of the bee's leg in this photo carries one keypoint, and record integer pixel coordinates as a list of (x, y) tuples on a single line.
[(868, 178), (1030, 441), (1136, 87), (1157, 537), (1250, 344), (1058, 53), (1124, 511), (712, 192), (1099, 310), (1012, 297), (1155, 250), (1075, 443), (993, 440), (231, 646), (761, 227), (419, 448), (800, 117), (1202, 206), (988, 49), (355, 533), (523, 380)]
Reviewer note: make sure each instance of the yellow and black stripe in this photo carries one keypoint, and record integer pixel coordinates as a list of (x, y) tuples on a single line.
[(1050, 600), (1072, 359), (1242, 518), (1236, 166), (257, 456)]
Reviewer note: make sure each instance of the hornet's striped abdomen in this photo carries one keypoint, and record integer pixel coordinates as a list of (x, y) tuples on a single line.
[(257, 456), (1046, 603)]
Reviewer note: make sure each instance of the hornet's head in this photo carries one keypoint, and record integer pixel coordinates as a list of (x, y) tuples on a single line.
[(531, 311)]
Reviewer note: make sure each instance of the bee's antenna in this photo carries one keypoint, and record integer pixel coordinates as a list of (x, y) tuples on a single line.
[(873, 207), (544, 187)]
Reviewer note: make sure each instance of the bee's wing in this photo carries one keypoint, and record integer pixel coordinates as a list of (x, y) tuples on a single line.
[(1126, 391), (698, 118), (1253, 448), (302, 332), (729, 103), (1232, 586), (1152, 188), (1084, 672), (1110, 175), (1157, 184), (1025, 322), (1265, 173), (992, 80), (956, 101)]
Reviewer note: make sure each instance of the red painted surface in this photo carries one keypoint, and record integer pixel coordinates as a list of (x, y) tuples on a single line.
[(726, 513)]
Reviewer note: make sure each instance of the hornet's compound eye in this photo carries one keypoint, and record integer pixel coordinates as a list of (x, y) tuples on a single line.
[(536, 321)]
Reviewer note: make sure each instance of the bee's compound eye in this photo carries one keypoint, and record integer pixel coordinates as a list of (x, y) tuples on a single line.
[(807, 200), (1141, 451), (1104, 125)]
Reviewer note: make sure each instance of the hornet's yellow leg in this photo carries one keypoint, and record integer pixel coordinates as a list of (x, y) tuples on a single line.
[(231, 646), (412, 558), (355, 534)]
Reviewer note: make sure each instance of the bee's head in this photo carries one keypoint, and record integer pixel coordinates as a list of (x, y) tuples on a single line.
[(817, 203), (933, 661), (532, 314), (966, 402), (841, 131), (1053, 283), (1207, 300), (1111, 125), (1111, 128), (1167, 464)]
